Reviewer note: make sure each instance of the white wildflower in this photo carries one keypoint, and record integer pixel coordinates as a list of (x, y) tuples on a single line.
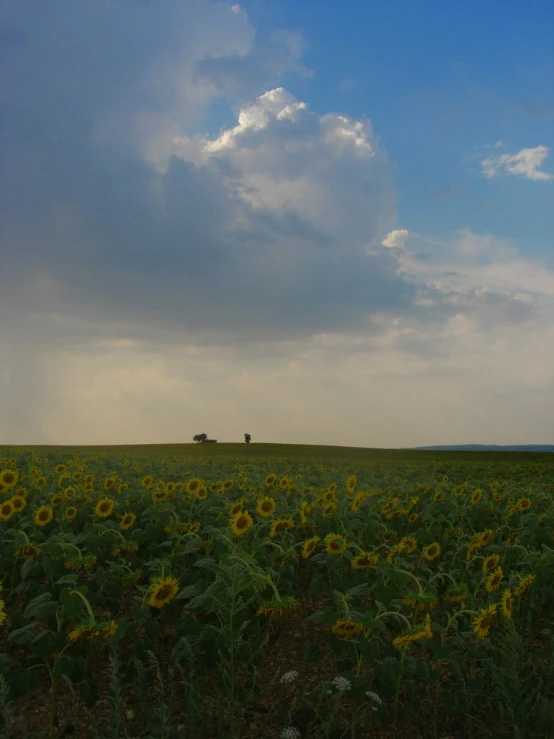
[(289, 677), (290, 733), (374, 698), (342, 684)]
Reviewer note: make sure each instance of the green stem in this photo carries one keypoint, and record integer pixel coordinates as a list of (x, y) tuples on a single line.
[(87, 605)]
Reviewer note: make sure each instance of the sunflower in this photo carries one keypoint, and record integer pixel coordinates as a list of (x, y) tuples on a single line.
[(476, 497), (43, 515), (309, 546), (364, 561), (351, 483), (388, 506), (69, 492), (235, 508), (432, 551), (158, 496), (485, 538), (228, 484), (412, 518), (415, 634), (490, 562), (8, 478), (335, 544), (105, 629), (28, 551), (408, 544), (270, 480), (83, 631), (104, 507), (18, 502), (162, 591), (421, 600), (456, 593), (332, 487), (147, 481), (3, 614), (59, 468), (506, 603), (329, 508), (358, 500), (284, 482), (347, 627), (127, 520), (281, 524), (483, 622), (241, 522), (494, 580), (70, 513), (193, 485), (523, 584), (201, 493), (439, 495), (266, 506), (523, 504), (277, 606), (6, 510)]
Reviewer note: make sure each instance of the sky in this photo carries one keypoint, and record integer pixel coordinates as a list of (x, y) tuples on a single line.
[(318, 223)]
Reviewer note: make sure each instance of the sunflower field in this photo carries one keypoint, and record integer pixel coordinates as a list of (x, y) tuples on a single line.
[(273, 591)]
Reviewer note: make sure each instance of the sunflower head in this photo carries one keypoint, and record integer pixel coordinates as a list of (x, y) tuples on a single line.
[(506, 603), (104, 507), (493, 580), (490, 562), (127, 520), (277, 606), (309, 546), (364, 561), (266, 506), (347, 627), (43, 515), (432, 551), (241, 523), (281, 524), (484, 621), (6, 510), (162, 591), (335, 544)]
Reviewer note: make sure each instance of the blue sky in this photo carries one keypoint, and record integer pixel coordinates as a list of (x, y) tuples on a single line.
[(280, 217), (440, 80)]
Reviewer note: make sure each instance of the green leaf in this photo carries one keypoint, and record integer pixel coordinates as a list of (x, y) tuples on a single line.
[(30, 569), (68, 580), (25, 635), (207, 563), (88, 691), (314, 653), (362, 589), (187, 592), (320, 584), (34, 606)]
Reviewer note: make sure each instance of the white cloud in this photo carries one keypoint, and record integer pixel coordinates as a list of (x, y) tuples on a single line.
[(525, 163), (396, 239)]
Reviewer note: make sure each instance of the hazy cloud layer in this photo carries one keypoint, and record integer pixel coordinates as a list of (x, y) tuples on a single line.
[(158, 281)]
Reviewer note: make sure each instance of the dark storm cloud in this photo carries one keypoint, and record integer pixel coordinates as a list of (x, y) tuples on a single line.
[(93, 230)]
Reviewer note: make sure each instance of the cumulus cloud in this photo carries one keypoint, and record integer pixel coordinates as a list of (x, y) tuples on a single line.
[(525, 163)]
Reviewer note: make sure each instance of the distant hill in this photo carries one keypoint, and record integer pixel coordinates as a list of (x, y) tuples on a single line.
[(487, 448)]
